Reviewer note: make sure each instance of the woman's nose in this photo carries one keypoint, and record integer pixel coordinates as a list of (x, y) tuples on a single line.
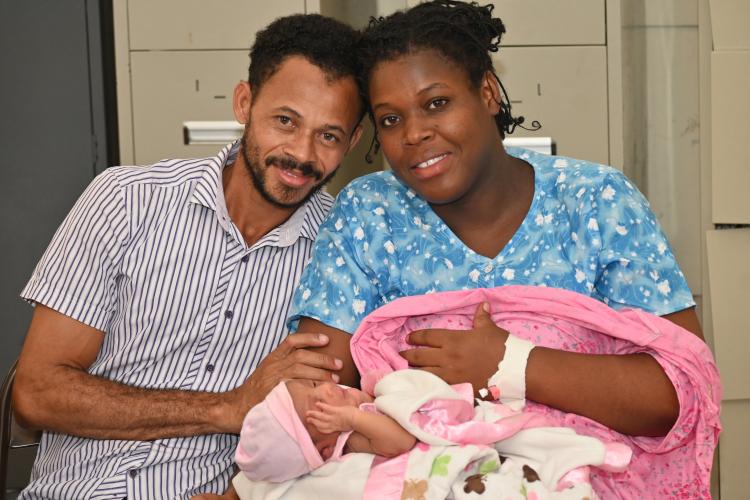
[(416, 131)]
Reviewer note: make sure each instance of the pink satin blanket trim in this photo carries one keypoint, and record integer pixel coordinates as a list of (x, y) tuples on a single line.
[(452, 419)]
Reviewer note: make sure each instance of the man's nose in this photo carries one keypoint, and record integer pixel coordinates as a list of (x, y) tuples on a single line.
[(301, 148)]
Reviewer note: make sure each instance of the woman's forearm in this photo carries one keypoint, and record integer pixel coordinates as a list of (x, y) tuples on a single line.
[(628, 393)]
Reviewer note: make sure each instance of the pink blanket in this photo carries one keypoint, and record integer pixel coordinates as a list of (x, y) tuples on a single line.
[(677, 465)]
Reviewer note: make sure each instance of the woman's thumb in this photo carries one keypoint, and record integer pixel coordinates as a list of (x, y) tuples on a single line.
[(482, 315)]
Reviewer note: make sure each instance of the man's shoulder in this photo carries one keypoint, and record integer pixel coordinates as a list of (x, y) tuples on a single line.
[(171, 172), (317, 208)]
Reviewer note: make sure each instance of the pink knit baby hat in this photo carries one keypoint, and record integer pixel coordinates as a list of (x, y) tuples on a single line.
[(274, 444)]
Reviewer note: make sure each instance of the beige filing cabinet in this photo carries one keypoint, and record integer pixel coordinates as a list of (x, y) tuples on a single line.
[(179, 60), (728, 248), (546, 51)]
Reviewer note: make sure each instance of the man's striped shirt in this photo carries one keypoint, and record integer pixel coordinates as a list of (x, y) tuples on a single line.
[(149, 256)]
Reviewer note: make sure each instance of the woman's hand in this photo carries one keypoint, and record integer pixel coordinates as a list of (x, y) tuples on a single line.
[(328, 418), (460, 356)]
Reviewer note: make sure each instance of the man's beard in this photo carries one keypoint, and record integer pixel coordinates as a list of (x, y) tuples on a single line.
[(286, 196)]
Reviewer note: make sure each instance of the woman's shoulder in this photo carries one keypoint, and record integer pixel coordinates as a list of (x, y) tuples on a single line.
[(380, 192), (377, 182), (575, 181)]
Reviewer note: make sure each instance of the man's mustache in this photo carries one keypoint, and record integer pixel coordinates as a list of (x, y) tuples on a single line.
[(288, 163)]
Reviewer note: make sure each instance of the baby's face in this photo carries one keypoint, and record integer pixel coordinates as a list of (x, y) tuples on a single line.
[(305, 395)]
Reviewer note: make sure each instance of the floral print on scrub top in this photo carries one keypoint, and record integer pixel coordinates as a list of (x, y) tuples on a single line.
[(588, 230)]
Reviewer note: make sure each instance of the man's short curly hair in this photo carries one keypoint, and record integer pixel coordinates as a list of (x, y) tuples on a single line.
[(325, 42)]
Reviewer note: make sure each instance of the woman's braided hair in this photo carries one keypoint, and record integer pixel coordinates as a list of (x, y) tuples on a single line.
[(465, 33)]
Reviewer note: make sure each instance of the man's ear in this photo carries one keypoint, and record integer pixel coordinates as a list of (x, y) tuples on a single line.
[(242, 101), (490, 92), (356, 136)]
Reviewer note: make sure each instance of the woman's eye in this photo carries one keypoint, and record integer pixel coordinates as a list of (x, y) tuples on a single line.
[(437, 103), (388, 121)]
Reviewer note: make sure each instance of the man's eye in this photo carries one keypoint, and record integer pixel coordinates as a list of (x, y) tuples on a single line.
[(437, 103), (284, 120), (330, 137)]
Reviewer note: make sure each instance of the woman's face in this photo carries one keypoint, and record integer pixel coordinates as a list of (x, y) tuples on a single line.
[(436, 129)]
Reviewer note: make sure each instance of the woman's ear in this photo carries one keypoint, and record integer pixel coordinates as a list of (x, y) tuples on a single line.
[(242, 102), (490, 92)]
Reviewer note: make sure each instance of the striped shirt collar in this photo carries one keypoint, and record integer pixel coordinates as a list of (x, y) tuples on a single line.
[(209, 192)]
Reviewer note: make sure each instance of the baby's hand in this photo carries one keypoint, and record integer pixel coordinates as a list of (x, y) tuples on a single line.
[(328, 418)]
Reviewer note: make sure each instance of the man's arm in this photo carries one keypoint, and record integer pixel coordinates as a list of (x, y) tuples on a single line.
[(53, 390)]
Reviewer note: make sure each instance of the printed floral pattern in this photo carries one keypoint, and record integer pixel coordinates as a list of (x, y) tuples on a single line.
[(588, 230)]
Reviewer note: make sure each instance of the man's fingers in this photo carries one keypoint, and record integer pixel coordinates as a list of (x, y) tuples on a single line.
[(316, 359), (306, 372), (422, 357), (302, 340)]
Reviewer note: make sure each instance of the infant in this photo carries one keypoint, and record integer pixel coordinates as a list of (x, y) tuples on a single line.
[(303, 423)]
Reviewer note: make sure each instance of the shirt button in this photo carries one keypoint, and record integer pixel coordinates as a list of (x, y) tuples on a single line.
[(210, 367), (245, 259), (228, 313), (488, 267), (133, 473)]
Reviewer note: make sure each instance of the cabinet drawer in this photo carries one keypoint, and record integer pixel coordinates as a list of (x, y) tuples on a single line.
[(170, 88), (552, 22), (202, 24), (565, 89), (730, 129)]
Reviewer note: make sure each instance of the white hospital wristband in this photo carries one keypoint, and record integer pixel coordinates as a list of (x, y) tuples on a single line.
[(510, 378)]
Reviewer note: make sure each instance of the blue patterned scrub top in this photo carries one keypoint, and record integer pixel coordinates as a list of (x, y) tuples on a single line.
[(588, 230)]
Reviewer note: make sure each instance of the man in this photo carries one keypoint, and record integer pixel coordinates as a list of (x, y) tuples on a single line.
[(166, 287)]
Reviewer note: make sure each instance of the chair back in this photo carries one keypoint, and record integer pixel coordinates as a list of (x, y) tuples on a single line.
[(12, 436)]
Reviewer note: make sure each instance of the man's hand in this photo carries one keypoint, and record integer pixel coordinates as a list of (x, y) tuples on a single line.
[(329, 419), (290, 360), (460, 356)]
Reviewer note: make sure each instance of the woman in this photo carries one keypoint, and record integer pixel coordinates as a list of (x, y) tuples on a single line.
[(458, 211)]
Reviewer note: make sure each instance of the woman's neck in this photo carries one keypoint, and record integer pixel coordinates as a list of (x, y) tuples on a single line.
[(491, 212)]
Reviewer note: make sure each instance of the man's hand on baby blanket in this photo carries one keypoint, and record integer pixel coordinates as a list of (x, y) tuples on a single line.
[(328, 418), (460, 356)]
